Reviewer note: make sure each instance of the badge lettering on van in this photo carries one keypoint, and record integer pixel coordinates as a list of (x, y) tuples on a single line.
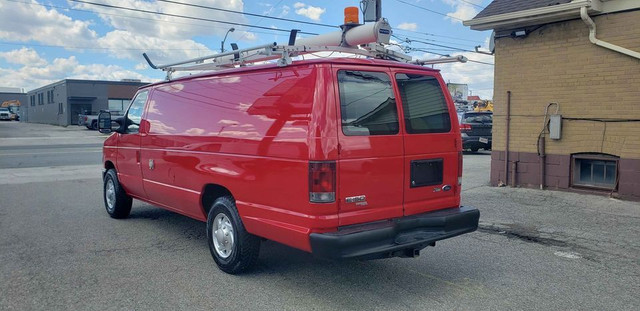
[(356, 199)]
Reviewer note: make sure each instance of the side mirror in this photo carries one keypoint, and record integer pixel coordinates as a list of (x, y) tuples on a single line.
[(104, 122)]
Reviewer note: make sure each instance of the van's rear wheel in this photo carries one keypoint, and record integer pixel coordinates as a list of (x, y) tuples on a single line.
[(116, 201), (232, 247)]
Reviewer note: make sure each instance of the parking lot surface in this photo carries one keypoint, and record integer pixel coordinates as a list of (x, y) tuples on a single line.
[(535, 250)]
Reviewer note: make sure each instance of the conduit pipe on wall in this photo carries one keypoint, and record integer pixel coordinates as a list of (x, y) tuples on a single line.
[(592, 36), (506, 147)]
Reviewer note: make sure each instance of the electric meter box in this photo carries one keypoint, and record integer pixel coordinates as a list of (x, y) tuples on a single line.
[(555, 126)]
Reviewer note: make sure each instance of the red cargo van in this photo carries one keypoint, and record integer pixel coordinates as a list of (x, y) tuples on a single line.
[(340, 157)]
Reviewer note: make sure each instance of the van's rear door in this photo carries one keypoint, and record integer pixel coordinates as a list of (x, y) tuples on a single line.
[(431, 142), (370, 166)]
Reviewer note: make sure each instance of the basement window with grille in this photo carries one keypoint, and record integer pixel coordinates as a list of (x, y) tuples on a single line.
[(594, 170)]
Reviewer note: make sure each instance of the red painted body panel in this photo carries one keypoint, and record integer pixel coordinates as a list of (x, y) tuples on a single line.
[(445, 146), (254, 130)]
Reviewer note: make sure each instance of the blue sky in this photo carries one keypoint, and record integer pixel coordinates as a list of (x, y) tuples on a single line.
[(46, 41)]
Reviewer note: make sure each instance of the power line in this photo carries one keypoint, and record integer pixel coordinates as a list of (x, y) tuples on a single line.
[(91, 48), (200, 25), (435, 35), (427, 51), (471, 3), (423, 8), (430, 40), (126, 16), (248, 14), (186, 17), (438, 45), (261, 19)]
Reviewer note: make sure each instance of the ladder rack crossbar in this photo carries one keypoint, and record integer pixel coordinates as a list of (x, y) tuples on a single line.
[(204, 58), (271, 52), (283, 55)]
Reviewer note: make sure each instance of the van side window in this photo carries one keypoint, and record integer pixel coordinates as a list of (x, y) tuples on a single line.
[(134, 114), (424, 104), (367, 103)]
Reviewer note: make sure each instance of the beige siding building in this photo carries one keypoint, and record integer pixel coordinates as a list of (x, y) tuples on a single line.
[(544, 55)]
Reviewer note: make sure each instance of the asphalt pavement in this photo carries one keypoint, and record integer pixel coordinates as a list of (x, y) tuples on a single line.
[(24, 145), (536, 250)]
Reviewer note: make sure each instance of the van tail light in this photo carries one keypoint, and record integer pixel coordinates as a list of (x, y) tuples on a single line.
[(465, 127), (459, 168), (322, 182)]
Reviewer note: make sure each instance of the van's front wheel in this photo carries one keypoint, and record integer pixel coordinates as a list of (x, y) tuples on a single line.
[(116, 201), (232, 247)]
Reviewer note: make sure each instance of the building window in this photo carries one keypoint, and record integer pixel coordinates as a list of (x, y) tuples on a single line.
[(41, 99), (50, 97), (33, 100), (60, 109), (118, 105), (598, 171)]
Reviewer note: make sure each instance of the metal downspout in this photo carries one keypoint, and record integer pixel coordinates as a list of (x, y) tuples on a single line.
[(592, 36), (506, 147)]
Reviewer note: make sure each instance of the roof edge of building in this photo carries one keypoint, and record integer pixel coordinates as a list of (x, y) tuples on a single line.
[(549, 14)]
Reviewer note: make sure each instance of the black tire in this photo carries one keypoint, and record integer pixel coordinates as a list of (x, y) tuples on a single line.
[(94, 125), (475, 149), (118, 205), (243, 252)]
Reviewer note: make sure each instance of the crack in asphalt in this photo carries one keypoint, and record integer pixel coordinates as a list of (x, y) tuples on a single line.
[(527, 235)]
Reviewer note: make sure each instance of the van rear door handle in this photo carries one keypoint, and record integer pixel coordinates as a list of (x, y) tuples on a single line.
[(138, 156)]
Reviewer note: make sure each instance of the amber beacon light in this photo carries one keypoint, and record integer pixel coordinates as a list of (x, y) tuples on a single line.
[(351, 15)]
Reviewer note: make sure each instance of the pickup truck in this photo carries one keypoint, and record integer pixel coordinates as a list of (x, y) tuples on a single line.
[(90, 119)]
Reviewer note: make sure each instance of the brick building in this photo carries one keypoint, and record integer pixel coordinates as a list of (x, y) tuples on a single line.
[(583, 55)]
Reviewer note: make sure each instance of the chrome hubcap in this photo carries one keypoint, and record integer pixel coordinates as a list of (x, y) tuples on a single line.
[(110, 194), (222, 233)]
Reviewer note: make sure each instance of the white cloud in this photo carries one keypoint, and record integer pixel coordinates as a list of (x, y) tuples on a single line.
[(24, 56), (31, 77), (125, 44), (463, 10), (478, 76), (285, 11), (23, 22), (167, 27), (309, 11), (141, 66), (408, 26)]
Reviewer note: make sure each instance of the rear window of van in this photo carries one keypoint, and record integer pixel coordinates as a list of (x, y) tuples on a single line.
[(367, 103), (424, 104)]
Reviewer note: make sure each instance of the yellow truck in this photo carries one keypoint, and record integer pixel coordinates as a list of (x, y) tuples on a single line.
[(485, 105), (13, 106)]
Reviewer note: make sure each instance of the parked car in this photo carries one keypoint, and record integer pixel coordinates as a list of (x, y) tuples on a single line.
[(313, 155), (5, 114), (476, 128)]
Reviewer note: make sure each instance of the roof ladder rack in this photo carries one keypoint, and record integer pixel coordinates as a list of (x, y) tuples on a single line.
[(365, 40)]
